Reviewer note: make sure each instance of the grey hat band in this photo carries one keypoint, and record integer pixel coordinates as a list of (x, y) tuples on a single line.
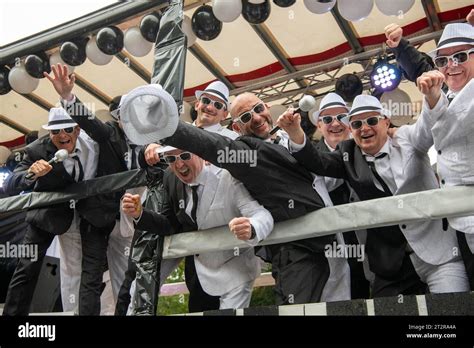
[(460, 40), (216, 92), (334, 104), (365, 108), (52, 123)]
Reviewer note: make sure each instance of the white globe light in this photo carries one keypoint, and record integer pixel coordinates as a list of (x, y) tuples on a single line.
[(135, 43), (227, 10), (355, 11), (394, 7), (55, 58), (188, 31), (317, 7), (95, 55), (21, 81)]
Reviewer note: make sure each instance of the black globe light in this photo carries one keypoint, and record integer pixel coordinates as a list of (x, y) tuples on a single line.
[(256, 13), (385, 76), (205, 24), (284, 3), (149, 26), (37, 64), (74, 52), (110, 40), (4, 84)]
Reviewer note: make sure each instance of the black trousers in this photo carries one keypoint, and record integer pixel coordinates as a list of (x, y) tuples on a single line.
[(300, 275), (199, 300), (360, 286), (467, 257), (405, 282), (94, 258), (23, 283)]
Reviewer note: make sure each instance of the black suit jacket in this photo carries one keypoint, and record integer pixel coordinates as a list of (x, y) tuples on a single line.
[(277, 181), (385, 245), (172, 218), (55, 218), (112, 151)]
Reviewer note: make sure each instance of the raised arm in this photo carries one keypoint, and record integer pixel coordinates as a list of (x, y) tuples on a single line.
[(63, 83)]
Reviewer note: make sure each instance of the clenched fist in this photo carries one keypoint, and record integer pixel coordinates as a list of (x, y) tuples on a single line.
[(470, 17), (393, 33), (241, 228), (132, 205), (291, 123), (430, 83), (40, 168)]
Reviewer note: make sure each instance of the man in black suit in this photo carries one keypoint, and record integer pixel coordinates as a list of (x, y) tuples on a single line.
[(45, 223), (275, 180), (329, 122)]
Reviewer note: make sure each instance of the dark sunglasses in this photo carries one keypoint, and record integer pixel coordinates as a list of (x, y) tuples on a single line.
[(217, 104), (184, 156), (329, 119), (68, 130), (370, 121), (247, 116), (457, 58)]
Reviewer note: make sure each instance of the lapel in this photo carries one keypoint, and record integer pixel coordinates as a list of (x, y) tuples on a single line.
[(397, 164), (211, 187)]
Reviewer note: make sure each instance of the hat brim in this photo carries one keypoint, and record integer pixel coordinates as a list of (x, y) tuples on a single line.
[(198, 95), (165, 149), (314, 117), (434, 52), (59, 126), (148, 114)]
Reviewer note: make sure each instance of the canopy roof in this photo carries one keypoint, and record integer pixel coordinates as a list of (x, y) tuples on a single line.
[(293, 52)]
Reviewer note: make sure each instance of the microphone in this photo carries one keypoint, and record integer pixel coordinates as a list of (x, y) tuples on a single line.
[(59, 156), (305, 104)]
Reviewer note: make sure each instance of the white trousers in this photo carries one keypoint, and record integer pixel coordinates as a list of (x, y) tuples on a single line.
[(238, 297), (71, 264), (448, 277)]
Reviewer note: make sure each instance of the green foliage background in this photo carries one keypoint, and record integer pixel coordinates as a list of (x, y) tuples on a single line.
[(178, 304)]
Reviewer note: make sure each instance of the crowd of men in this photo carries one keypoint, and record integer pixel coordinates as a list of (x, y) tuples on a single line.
[(191, 187)]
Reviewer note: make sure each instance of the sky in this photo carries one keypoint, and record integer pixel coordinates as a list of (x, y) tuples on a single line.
[(22, 18)]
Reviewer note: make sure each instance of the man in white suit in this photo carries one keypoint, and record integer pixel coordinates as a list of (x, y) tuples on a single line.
[(405, 257), (451, 119), (204, 196)]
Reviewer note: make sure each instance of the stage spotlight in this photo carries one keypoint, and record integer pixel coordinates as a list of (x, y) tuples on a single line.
[(385, 76)]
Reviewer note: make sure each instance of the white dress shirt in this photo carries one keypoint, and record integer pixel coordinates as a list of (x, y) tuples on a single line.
[(88, 152), (383, 167)]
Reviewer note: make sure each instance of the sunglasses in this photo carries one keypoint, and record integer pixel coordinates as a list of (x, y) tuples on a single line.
[(457, 58), (68, 130), (370, 121), (247, 116), (217, 104), (184, 156), (330, 119)]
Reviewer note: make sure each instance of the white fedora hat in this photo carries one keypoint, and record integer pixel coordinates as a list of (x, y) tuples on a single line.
[(455, 34), (148, 114), (58, 118), (164, 149), (330, 101), (366, 103), (217, 89)]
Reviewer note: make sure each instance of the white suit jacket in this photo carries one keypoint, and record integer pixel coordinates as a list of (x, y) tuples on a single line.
[(432, 242), (224, 198), (453, 135)]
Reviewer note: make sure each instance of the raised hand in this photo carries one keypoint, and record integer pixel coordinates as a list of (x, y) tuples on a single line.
[(430, 83), (62, 82), (470, 17), (393, 33), (291, 123)]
